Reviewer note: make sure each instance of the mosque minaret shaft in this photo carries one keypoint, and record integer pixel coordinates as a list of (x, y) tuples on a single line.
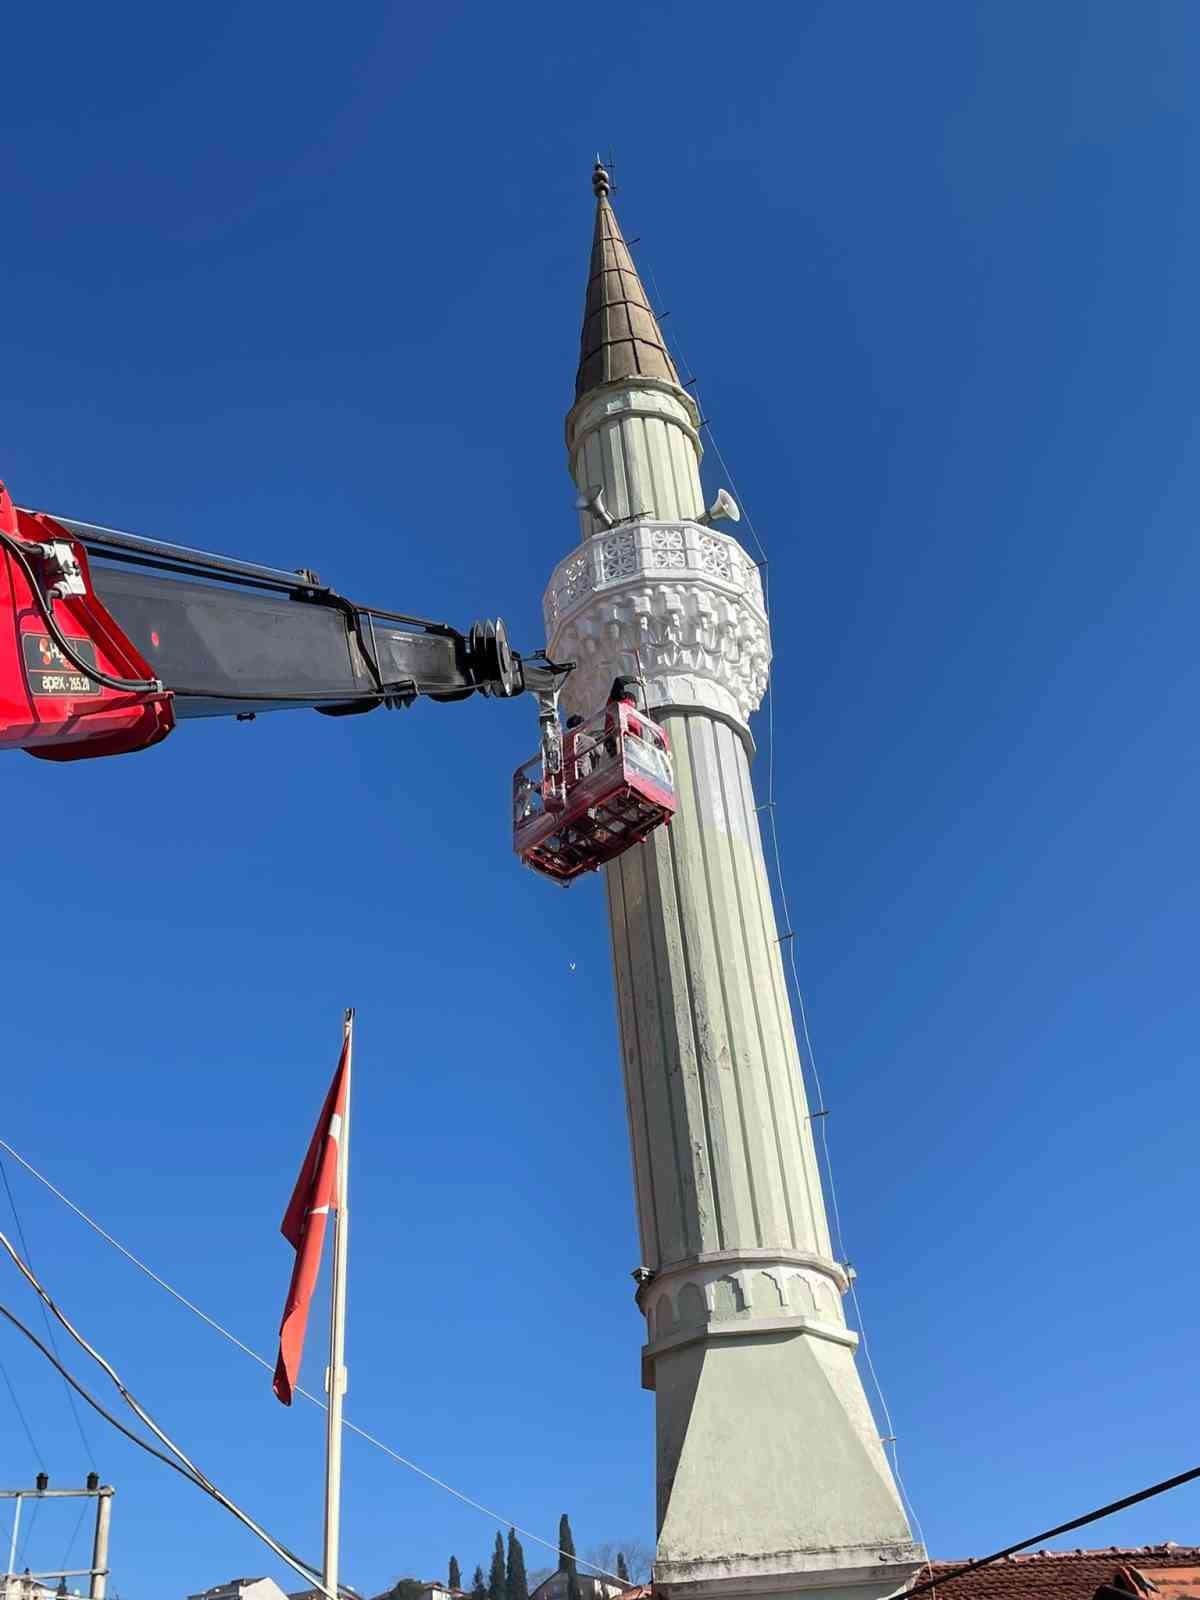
[(771, 1475)]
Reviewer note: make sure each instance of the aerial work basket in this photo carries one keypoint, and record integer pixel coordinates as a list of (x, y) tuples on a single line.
[(615, 786)]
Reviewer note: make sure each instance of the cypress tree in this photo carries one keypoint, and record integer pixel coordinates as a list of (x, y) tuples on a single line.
[(496, 1577), (516, 1585), (622, 1569), (567, 1559), (478, 1587), (454, 1576)]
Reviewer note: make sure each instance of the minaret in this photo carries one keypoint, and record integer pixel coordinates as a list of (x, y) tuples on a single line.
[(771, 1475)]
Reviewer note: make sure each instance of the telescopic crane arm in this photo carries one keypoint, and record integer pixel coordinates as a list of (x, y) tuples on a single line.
[(107, 639)]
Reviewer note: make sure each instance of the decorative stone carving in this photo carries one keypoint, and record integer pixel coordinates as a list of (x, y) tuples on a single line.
[(717, 557), (683, 600), (618, 556), (572, 579)]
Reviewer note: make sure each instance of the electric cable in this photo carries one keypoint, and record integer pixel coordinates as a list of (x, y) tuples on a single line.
[(296, 1562), (32, 1522), (177, 1460), (24, 1421), (124, 685), (70, 1549), (23, 1552), (1049, 1533), (269, 1366), (12, 1201)]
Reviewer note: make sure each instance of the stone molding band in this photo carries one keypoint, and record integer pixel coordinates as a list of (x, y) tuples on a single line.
[(611, 401), (787, 1570), (732, 1294), (613, 418), (749, 1257), (743, 1330)]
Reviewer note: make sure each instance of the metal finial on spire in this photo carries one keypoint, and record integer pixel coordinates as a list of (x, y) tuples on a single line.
[(600, 179)]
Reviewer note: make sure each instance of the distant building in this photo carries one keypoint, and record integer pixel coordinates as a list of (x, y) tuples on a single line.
[(20, 1586), (427, 1591), (317, 1594), (244, 1589), (555, 1588)]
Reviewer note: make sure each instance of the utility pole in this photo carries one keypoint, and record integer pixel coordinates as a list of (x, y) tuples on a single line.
[(102, 1494), (336, 1377), (99, 1584)]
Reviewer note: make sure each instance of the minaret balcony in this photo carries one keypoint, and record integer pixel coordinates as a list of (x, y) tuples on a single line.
[(677, 603)]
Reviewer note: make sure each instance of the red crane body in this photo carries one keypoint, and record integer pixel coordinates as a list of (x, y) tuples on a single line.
[(48, 704)]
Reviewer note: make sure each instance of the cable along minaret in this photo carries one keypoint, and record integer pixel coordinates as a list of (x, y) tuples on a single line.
[(771, 1475)]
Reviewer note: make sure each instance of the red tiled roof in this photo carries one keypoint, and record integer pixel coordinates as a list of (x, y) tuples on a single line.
[(1042, 1574), (1057, 1574)]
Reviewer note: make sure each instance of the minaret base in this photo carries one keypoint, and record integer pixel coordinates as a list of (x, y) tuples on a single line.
[(772, 1479)]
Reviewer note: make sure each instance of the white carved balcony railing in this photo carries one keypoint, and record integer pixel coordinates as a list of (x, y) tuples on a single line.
[(683, 598)]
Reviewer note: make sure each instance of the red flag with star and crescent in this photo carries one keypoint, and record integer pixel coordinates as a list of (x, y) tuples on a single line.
[(304, 1224)]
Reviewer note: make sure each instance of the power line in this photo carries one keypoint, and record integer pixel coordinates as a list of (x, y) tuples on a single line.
[(298, 1565), (33, 1445), (1050, 1533), (67, 1553), (440, 1483), (177, 1460), (87, 1445), (38, 1456), (28, 1534), (41, 1461)]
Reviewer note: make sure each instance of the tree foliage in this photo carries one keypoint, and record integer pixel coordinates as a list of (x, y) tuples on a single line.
[(406, 1589), (630, 1560), (516, 1584), (497, 1577), (454, 1576), (478, 1587), (566, 1560)]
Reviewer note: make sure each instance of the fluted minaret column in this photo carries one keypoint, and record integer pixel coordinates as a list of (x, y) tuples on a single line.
[(771, 1475)]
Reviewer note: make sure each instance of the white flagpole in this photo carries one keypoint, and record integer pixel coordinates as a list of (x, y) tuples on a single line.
[(335, 1380)]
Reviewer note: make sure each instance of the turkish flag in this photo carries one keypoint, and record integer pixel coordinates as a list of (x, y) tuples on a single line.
[(314, 1197)]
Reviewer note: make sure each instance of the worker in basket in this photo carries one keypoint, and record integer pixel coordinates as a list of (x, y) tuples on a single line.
[(622, 693), (601, 754)]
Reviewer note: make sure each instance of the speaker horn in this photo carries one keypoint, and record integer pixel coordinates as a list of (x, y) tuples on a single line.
[(723, 509), (592, 500)]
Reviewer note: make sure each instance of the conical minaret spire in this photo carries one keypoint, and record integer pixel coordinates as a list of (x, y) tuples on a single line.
[(621, 337), (633, 432), (772, 1478)]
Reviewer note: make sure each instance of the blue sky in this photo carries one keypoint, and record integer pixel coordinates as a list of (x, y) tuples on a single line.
[(304, 284)]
